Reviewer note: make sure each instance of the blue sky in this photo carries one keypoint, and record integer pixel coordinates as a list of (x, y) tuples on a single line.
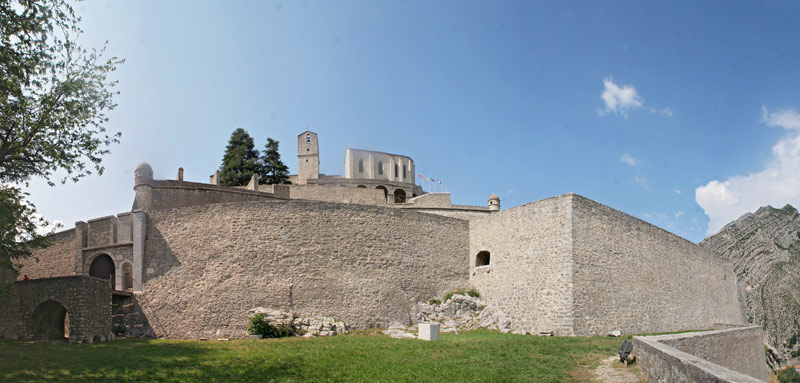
[(679, 113)]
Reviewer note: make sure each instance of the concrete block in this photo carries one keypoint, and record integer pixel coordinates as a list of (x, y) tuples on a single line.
[(429, 331)]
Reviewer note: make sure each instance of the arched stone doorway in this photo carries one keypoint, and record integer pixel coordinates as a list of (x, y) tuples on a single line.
[(102, 267), (48, 320), (127, 277), (399, 196), (385, 192)]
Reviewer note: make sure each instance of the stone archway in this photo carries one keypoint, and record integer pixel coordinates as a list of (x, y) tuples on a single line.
[(102, 267), (385, 192), (399, 196), (49, 320)]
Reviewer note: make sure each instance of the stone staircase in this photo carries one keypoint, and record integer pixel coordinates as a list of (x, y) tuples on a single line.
[(128, 315)]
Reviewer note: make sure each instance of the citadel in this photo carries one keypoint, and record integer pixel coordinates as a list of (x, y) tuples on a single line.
[(193, 258)]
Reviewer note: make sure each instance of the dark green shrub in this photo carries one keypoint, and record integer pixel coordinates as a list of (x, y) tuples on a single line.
[(789, 375), (259, 325), (434, 301)]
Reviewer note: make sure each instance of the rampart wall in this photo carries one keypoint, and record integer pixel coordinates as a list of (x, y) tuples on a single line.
[(439, 204), (637, 278), (731, 355), (206, 266), (166, 194), (56, 260), (530, 274), (342, 194)]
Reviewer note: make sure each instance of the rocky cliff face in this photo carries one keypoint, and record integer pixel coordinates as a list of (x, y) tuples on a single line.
[(765, 249)]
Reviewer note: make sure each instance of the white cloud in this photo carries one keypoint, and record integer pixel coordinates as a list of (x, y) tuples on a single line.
[(666, 112), (619, 99), (777, 184), (677, 191), (786, 118), (678, 214), (50, 228), (643, 182), (628, 159)]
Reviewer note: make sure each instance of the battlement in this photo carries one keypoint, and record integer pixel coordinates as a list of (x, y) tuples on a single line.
[(104, 231)]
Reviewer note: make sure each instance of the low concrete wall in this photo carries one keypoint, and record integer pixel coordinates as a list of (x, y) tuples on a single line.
[(730, 355)]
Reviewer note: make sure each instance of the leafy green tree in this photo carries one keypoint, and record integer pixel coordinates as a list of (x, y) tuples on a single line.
[(240, 161), (54, 96), (274, 171)]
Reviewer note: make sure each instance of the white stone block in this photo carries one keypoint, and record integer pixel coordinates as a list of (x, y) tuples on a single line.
[(429, 331)]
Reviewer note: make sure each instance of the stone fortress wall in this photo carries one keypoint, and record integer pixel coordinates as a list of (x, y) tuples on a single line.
[(529, 275), (572, 266), (208, 265), (201, 256), (631, 276), (56, 260)]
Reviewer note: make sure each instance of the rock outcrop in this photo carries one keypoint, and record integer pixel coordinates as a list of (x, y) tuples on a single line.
[(765, 250), (457, 313), (307, 327)]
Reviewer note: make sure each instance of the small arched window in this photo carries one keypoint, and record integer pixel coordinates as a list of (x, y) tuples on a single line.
[(483, 258), (396, 171), (380, 167), (308, 138), (404, 172), (361, 166)]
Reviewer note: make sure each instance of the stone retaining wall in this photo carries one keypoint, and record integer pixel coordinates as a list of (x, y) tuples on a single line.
[(637, 278), (730, 355), (529, 277), (86, 300), (56, 260), (206, 266)]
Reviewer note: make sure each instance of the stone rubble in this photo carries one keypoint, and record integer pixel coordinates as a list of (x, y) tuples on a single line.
[(458, 313), (308, 326)]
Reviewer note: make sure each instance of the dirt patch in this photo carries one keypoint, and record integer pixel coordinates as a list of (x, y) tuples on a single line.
[(611, 370)]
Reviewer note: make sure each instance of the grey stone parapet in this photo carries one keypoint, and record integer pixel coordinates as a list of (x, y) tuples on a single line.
[(729, 355)]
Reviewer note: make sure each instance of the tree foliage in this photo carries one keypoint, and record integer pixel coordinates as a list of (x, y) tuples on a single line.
[(274, 171), (54, 96), (240, 161)]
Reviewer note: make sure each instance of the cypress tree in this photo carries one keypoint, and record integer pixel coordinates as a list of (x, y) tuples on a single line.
[(274, 171), (240, 161)]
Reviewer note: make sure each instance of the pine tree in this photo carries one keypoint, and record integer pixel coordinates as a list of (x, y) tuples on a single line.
[(274, 170), (240, 161)]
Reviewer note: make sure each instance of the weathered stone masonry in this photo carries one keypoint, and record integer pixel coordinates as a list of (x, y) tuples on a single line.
[(529, 277), (637, 278), (572, 266), (197, 257), (32, 310), (368, 266)]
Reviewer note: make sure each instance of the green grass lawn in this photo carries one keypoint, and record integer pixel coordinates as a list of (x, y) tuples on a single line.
[(485, 356)]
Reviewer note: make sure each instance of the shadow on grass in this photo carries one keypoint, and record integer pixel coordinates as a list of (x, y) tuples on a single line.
[(471, 356), (140, 361)]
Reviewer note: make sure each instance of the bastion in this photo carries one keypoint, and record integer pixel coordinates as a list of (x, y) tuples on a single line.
[(191, 259)]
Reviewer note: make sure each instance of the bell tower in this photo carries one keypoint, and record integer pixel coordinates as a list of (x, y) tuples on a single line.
[(307, 157)]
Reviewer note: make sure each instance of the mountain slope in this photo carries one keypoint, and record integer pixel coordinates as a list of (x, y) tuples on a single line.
[(765, 249)]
